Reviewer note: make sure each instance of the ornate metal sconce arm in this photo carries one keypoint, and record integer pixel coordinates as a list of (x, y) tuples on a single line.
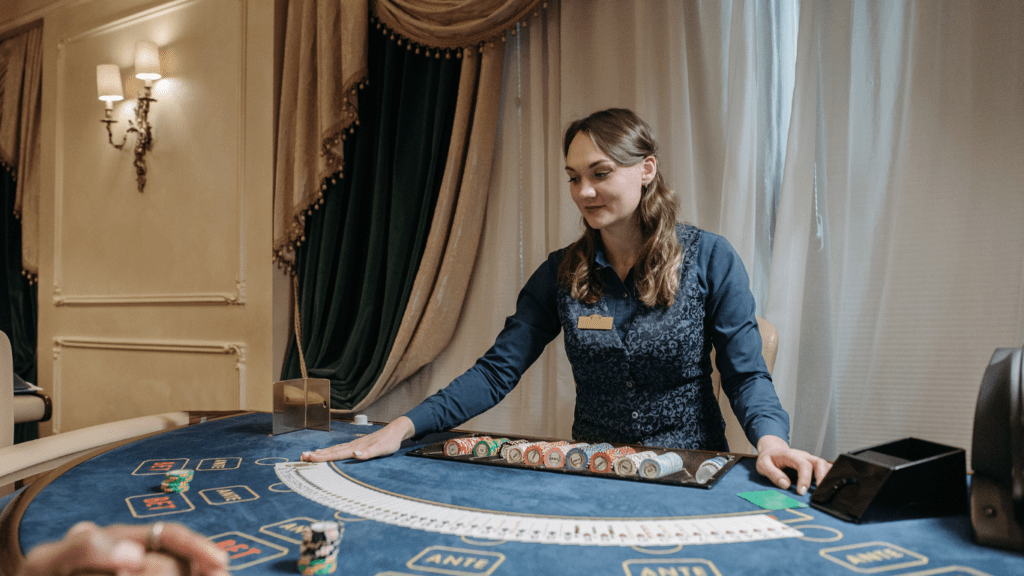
[(143, 134)]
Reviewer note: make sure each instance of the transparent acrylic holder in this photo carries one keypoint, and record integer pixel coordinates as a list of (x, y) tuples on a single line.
[(302, 404)]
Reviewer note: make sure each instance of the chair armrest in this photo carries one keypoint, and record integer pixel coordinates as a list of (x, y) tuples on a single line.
[(34, 407), (35, 456)]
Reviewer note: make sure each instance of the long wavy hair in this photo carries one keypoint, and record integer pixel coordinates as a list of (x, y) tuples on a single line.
[(627, 140)]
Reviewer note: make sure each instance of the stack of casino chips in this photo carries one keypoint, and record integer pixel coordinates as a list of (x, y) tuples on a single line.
[(462, 446), (489, 447), (515, 453), (319, 551), (555, 456), (177, 480), (578, 457), (629, 465), (601, 462), (507, 447), (534, 455), (661, 465)]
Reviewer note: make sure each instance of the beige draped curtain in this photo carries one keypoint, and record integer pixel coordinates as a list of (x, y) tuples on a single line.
[(324, 63), (21, 74)]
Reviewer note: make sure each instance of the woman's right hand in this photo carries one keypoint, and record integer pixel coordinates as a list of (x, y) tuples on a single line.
[(383, 442), (154, 549)]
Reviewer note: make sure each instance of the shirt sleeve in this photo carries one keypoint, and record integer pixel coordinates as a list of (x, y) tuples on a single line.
[(732, 326), (533, 325)]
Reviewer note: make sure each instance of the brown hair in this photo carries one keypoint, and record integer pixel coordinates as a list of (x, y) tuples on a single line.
[(627, 140)]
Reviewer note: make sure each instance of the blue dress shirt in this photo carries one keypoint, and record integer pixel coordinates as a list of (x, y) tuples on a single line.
[(623, 396)]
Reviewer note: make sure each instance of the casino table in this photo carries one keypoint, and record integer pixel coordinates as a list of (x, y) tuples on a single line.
[(419, 516)]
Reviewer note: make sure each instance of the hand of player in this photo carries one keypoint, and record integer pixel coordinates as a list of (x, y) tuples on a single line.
[(385, 441), (774, 455), (122, 549)]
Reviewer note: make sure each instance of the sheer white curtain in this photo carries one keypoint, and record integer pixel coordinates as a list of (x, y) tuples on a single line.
[(702, 75), (897, 261), (899, 256)]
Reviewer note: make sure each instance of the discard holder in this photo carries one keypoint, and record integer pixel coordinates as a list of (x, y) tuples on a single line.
[(997, 453), (908, 478), (301, 404)]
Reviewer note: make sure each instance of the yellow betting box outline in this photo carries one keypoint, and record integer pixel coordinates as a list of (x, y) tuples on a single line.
[(804, 527), (654, 550), (169, 496), (445, 560), (239, 550), (950, 570), (873, 552), (671, 567), (173, 465), (799, 516), (293, 525), (341, 516), (478, 542), (214, 468), (228, 495)]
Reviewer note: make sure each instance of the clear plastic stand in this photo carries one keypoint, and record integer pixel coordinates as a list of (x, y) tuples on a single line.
[(302, 404)]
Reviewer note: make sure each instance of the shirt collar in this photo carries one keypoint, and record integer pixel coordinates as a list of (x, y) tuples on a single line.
[(600, 257)]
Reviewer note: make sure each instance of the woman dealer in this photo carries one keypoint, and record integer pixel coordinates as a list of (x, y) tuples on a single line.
[(641, 300)]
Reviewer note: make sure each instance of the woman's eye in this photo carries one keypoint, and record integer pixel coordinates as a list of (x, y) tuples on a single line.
[(574, 179), (601, 174)]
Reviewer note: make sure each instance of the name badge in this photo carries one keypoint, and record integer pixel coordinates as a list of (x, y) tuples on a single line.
[(594, 322)]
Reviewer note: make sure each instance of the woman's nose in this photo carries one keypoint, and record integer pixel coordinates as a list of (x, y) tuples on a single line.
[(586, 190)]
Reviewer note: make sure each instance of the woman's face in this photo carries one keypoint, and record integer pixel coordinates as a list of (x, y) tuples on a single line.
[(606, 193)]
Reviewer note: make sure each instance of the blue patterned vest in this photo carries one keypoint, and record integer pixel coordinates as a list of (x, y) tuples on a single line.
[(654, 386)]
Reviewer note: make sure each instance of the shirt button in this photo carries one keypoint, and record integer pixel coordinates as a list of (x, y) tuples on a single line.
[(635, 415), (625, 295), (629, 384)]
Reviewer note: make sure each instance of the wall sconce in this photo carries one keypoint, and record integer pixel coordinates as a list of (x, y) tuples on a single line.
[(108, 84)]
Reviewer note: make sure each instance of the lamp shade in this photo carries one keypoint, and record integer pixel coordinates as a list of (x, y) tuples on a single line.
[(108, 82), (147, 61)]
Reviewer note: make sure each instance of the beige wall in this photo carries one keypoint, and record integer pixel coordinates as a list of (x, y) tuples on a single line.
[(160, 300)]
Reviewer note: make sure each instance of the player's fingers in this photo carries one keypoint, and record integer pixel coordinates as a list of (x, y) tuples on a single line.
[(382, 446), (767, 468), (336, 452), (199, 552), (85, 548), (821, 469), (804, 474)]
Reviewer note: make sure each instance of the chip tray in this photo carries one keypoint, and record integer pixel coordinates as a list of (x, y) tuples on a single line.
[(692, 459)]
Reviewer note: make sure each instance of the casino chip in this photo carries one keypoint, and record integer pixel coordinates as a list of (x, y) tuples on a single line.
[(663, 465), (489, 447), (319, 551), (177, 480), (601, 462), (516, 453), (462, 446), (554, 456), (578, 458), (629, 465), (503, 452)]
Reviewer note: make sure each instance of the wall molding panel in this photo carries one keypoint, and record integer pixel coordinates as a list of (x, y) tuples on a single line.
[(178, 168), (233, 352)]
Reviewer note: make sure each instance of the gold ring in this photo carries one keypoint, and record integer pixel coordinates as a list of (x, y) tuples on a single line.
[(153, 536)]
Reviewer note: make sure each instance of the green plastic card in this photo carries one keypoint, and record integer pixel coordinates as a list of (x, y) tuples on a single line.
[(771, 500)]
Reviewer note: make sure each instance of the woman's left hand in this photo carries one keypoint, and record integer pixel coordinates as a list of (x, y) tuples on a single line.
[(773, 457)]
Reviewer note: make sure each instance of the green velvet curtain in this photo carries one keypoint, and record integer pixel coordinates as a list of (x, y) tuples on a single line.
[(17, 300), (363, 245)]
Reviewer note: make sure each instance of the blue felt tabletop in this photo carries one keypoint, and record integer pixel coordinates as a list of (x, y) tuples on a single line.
[(236, 495)]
